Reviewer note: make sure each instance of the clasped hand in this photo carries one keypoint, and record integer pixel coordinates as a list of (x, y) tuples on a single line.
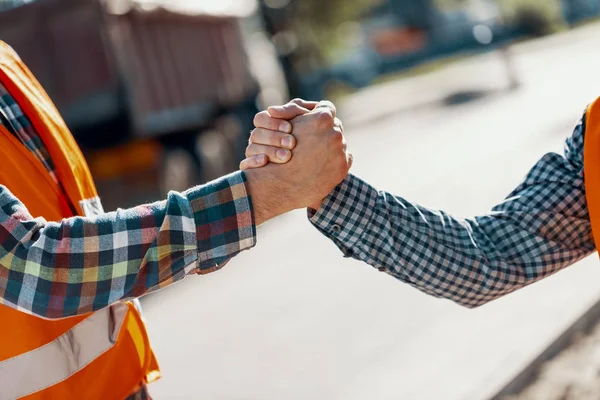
[(306, 139)]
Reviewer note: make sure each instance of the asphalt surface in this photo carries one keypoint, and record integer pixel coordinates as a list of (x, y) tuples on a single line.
[(292, 319), (572, 375)]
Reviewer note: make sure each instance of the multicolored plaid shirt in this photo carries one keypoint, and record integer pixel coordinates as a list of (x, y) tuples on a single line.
[(78, 265), (542, 227)]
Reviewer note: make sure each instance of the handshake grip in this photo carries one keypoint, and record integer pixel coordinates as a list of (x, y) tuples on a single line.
[(274, 138), (300, 144)]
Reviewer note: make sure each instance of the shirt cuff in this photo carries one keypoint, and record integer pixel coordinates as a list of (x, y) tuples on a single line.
[(224, 220), (346, 213)]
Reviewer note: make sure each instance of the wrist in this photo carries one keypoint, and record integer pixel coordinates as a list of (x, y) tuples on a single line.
[(269, 197)]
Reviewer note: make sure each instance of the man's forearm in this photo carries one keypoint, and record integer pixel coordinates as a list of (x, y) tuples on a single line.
[(542, 229), (78, 265)]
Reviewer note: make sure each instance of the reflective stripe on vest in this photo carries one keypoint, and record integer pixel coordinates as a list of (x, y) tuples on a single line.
[(28, 373), (91, 207), (31, 372)]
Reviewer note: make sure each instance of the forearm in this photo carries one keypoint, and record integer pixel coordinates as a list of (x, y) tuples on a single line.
[(468, 261), (78, 265)]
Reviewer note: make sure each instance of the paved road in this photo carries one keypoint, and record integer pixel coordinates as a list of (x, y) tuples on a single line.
[(294, 320)]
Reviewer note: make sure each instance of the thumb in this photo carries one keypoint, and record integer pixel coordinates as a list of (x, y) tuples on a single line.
[(287, 111)]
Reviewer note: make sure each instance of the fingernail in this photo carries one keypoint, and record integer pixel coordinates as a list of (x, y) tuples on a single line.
[(282, 154), (287, 142), (285, 127), (260, 159)]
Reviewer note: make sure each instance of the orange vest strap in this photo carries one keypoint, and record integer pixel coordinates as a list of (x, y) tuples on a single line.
[(71, 168), (591, 161)]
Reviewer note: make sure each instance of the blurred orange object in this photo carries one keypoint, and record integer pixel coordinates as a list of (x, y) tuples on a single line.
[(129, 158), (391, 42)]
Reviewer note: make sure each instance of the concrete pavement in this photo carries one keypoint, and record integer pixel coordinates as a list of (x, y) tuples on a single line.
[(292, 319)]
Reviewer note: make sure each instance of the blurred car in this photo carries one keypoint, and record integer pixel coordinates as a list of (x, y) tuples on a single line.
[(390, 40)]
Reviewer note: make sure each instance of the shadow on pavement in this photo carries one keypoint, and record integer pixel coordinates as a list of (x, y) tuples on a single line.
[(457, 98)]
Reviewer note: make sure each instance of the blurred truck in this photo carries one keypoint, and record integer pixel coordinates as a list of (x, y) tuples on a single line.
[(160, 95)]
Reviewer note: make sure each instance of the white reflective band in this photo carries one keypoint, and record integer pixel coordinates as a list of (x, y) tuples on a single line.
[(92, 207), (56, 361)]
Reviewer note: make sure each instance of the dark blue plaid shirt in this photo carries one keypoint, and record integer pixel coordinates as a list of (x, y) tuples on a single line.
[(542, 227)]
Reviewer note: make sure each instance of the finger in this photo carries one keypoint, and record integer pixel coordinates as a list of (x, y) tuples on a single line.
[(275, 154), (266, 121), (309, 105), (327, 104), (287, 111), (272, 138), (254, 162)]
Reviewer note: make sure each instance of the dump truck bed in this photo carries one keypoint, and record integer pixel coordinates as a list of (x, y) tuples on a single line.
[(163, 67)]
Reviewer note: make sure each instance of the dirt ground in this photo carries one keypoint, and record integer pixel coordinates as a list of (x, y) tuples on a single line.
[(572, 375)]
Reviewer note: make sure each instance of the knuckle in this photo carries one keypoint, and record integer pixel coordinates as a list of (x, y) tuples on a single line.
[(337, 137), (273, 138), (294, 108), (253, 149), (326, 104), (325, 118), (260, 136), (289, 108), (259, 118), (270, 151), (253, 135)]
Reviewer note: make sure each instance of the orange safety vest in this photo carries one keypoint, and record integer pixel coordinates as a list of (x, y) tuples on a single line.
[(591, 167), (102, 355)]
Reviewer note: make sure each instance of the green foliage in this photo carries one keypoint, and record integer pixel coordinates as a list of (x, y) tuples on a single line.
[(323, 13), (548, 11), (450, 4), (316, 22), (548, 8)]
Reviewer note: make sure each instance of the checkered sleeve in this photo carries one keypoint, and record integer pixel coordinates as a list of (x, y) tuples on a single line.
[(79, 265), (540, 228)]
